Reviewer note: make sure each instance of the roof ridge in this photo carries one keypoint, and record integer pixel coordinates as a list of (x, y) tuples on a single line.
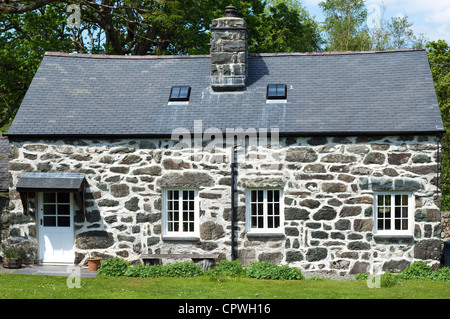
[(155, 57), (131, 57), (333, 52)]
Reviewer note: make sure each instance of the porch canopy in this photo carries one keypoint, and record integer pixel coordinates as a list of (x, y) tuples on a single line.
[(51, 182)]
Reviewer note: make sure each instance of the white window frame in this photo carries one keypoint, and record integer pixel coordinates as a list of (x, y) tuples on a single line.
[(264, 230), (392, 231), (180, 234)]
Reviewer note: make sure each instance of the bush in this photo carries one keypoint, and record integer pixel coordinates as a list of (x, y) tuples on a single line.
[(183, 269), (389, 280), (226, 268), (113, 267), (267, 270), (144, 271), (419, 270), (441, 274)]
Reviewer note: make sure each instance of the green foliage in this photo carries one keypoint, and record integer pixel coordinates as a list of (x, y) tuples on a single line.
[(113, 267), (418, 270), (226, 268), (267, 270), (10, 252), (345, 25), (389, 280), (144, 271), (362, 277), (441, 274), (183, 269), (439, 57)]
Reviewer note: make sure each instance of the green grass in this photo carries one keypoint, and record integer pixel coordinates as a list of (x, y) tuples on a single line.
[(14, 286)]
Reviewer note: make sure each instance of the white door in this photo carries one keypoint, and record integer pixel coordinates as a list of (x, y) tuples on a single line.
[(56, 237)]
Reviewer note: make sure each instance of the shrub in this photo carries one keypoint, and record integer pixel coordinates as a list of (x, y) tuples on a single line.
[(389, 280), (419, 270), (226, 268), (145, 271), (267, 270), (441, 274), (183, 269), (113, 267)]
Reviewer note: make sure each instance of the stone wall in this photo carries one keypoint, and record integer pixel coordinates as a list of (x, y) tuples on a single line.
[(327, 184), (445, 226)]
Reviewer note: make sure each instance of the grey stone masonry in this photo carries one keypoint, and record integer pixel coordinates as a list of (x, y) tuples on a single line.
[(327, 185), (229, 51)]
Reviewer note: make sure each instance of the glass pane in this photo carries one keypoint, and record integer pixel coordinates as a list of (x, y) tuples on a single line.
[(49, 198), (276, 196), (175, 92), (277, 209), (176, 226), (184, 92), (191, 205), (404, 224), (380, 224), (270, 223), (405, 200), (387, 200), (260, 196), (63, 221), (272, 90), (260, 222), (63, 197), (380, 200), (63, 209), (185, 195), (280, 89), (269, 196), (397, 212), (404, 212), (398, 200), (277, 222), (49, 221), (49, 209), (253, 222), (253, 195), (388, 224), (397, 224)]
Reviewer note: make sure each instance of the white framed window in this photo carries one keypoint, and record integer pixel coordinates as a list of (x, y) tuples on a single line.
[(181, 213), (264, 211), (393, 214)]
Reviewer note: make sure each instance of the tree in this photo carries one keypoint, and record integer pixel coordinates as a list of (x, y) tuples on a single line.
[(133, 27), (23, 40), (286, 26), (439, 57), (345, 25)]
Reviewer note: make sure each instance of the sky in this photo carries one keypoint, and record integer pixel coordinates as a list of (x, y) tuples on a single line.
[(429, 17)]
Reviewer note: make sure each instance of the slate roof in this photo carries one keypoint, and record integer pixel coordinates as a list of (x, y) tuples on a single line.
[(348, 93)]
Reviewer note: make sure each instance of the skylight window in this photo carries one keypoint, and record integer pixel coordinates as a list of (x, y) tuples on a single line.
[(276, 92), (180, 93)]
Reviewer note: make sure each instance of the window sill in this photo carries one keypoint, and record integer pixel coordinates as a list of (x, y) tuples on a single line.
[(180, 238), (394, 237), (264, 235)]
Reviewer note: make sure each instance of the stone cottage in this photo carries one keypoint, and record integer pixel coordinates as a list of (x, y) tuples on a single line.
[(325, 161)]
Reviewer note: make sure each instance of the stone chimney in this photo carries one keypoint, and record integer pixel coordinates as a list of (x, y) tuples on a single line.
[(228, 51)]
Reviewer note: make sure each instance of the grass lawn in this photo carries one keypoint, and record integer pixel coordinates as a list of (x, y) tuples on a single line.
[(14, 286)]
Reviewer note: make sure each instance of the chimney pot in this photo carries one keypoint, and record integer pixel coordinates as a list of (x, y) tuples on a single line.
[(230, 11)]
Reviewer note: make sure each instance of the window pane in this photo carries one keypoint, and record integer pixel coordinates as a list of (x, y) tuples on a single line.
[(63, 209), (49, 221), (49, 209), (398, 200), (380, 200), (175, 92), (260, 196), (49, 198), (272, 90), (63, 197), (63, 221)]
